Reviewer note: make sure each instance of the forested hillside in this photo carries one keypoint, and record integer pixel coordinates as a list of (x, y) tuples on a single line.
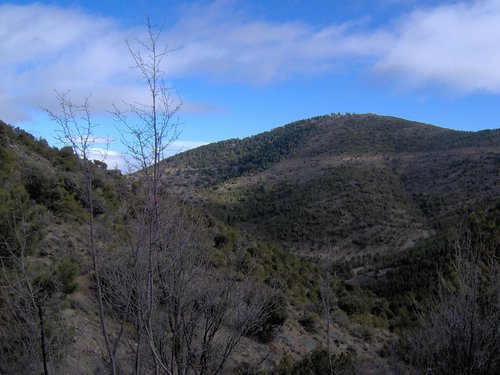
[(346, 185), (318, 247), (385, 203), (56, 278)]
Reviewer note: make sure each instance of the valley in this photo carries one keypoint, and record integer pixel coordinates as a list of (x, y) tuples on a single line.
[(342, 227)]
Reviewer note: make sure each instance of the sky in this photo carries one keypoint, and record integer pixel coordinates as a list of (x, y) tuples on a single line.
[(244, 67)]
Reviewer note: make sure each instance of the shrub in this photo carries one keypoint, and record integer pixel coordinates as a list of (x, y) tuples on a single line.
[(352, 304), (66, 270), (317, 363), (266, 331), (309, 321)]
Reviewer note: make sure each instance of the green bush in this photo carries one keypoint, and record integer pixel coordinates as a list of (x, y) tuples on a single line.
[(317, 363), (18, 214), (352, 304), (66, 271), (55, 277)]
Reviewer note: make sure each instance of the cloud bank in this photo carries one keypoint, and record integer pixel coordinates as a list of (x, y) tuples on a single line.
[(43, 47), (452, 45)]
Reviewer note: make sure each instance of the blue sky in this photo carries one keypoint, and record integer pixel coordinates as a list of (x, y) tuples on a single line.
[(243, 67)]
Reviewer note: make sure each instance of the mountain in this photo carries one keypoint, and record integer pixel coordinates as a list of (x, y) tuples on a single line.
[(343, 186), (347, 219)]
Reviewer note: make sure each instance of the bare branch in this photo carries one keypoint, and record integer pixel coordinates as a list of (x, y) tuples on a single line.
[(77, 131)]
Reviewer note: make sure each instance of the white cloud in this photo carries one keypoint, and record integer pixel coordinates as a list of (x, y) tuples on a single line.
[(92, 140), (44, 47), (455, 45), (50, 47), (219, 42), (113, 159), (125, 163)]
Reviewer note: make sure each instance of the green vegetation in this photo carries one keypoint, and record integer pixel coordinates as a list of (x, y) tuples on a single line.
[(317, 362), (345, 202), (362, 184), (323, 135), (380, 202), (40, 198), (297, 279), (27, 168), (410, 278), (218, 162), (380, 194)]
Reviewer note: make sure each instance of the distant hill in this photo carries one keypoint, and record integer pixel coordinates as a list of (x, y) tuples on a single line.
[(343, 185)]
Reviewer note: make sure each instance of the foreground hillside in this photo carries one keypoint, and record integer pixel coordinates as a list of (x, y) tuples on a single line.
[(235, 235), (49, 310)]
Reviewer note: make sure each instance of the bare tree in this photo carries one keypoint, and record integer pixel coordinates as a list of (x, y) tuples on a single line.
[(190, 313), (149, 129), (460, 332), (200, 311), (203, 311), (77, 128)]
